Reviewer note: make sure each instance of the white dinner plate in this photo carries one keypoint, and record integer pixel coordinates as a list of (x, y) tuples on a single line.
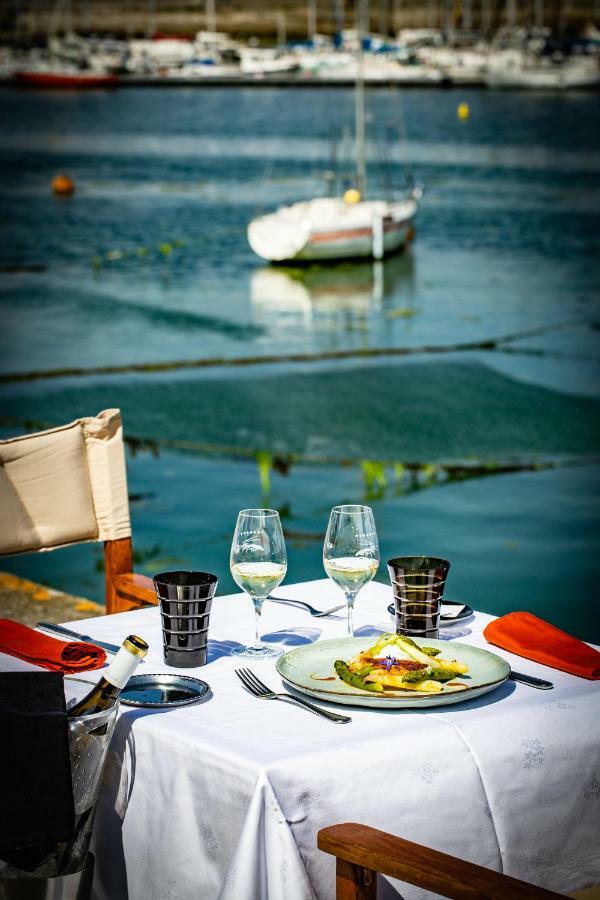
[(310, 670)]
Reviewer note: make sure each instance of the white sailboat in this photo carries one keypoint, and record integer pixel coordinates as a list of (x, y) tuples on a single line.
[(334, 228)]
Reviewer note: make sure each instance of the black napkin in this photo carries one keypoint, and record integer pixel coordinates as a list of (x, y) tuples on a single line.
[(35, 768)]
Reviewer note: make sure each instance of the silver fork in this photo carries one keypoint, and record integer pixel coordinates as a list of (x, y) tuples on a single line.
[(317, 613), (260, 690)]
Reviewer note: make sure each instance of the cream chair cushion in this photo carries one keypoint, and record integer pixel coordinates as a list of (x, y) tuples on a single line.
[(63, 486)]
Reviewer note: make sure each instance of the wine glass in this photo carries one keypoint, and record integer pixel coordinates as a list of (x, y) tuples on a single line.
[(258, 565), (351, 551)]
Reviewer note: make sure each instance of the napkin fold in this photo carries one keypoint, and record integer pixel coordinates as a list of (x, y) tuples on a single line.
[(527, 635), (41, 650)]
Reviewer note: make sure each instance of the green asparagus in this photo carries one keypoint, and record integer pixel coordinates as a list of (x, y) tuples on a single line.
[(343, 672), (442, 674)]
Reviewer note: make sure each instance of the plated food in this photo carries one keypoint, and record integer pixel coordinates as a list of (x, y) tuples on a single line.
[(395, 662), (311, 669)]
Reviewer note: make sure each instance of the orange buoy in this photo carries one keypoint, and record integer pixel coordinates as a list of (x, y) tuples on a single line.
[(63, 186)]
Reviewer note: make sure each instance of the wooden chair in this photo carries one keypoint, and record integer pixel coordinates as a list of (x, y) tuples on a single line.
[(66, 486), (361, 852)]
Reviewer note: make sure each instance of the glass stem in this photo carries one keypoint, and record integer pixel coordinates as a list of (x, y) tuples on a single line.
[(258, 602), (350, 603)]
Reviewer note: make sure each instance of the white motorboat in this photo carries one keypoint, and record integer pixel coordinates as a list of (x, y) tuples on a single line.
[(457, 65), (101, 55), (202, 69), (152, 57), (260, 62), (212, 54), (334, 228), (344, 68), (516, 69)]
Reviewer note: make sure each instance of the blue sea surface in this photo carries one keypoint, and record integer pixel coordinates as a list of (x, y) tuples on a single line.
[(148, 263)]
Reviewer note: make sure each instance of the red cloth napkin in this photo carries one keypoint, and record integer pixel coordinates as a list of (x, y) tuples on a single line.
[(41, 650), (526, 635)]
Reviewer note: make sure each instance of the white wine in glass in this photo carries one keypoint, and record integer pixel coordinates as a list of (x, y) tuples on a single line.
[(258, 578), (351, 551), (258, 565)]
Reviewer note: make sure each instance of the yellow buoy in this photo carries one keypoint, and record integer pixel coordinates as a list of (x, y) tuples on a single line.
[(63, 186), (352, 196), (463, 111)]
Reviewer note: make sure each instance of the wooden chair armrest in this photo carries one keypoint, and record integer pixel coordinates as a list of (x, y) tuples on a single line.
[(134, 589), (378, 851)]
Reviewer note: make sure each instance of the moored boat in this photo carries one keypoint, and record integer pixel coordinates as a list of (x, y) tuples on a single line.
[(334, 228), (513, 69), (331, 228), (55, 78)]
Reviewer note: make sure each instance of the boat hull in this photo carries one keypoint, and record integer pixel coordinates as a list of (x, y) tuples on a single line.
[(57, 80), (543, 81), (356, 243)]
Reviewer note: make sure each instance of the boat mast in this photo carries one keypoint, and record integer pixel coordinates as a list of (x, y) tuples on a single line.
[(311, 19), (281, 29), (359, 99), (538, 8), (211, 16)]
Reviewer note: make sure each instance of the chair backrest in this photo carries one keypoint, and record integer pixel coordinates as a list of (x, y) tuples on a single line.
[(64, 486)]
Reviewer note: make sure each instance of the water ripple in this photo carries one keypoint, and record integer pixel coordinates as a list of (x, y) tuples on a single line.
[(531, 157)]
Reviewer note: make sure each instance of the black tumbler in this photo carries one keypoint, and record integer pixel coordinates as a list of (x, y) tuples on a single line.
[(185, 600), (418, 584)]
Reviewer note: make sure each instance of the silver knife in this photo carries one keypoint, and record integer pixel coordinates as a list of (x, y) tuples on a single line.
[(531, 680), (61, 630)]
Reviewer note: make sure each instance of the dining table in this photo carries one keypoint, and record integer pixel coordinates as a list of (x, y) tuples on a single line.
[(223, 799)]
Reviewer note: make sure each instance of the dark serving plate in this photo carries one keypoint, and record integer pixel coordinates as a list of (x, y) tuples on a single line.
[(163, 689)]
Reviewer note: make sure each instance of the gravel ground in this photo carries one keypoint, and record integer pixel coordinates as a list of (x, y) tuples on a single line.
[(28, 602)]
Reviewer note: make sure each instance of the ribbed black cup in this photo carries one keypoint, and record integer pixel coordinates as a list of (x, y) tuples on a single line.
[(184, 623), (418, 584), (185, 600)]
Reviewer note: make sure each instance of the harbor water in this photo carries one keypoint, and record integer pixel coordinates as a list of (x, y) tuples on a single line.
[(454, 388)]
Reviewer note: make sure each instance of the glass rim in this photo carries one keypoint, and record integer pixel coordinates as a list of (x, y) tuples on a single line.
[(256, 512), (427, 563), (198, 579), (353, 509)]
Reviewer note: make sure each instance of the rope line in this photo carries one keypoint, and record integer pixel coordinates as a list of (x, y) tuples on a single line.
[(490, 344)]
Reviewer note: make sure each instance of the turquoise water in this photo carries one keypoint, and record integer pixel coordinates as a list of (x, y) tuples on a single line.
[(148, 263)]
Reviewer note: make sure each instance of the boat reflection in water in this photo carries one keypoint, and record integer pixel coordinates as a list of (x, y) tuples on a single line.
[(331, 296)]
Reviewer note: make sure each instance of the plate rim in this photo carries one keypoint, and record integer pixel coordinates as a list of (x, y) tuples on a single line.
[(170, 675), (412, 697)]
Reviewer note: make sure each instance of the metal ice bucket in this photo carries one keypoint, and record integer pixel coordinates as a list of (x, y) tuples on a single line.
[(89, 740)]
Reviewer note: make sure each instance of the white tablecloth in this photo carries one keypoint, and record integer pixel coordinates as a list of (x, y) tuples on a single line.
[(224, 799)]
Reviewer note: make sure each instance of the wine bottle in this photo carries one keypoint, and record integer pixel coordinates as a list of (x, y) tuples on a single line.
[(104, 694)]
